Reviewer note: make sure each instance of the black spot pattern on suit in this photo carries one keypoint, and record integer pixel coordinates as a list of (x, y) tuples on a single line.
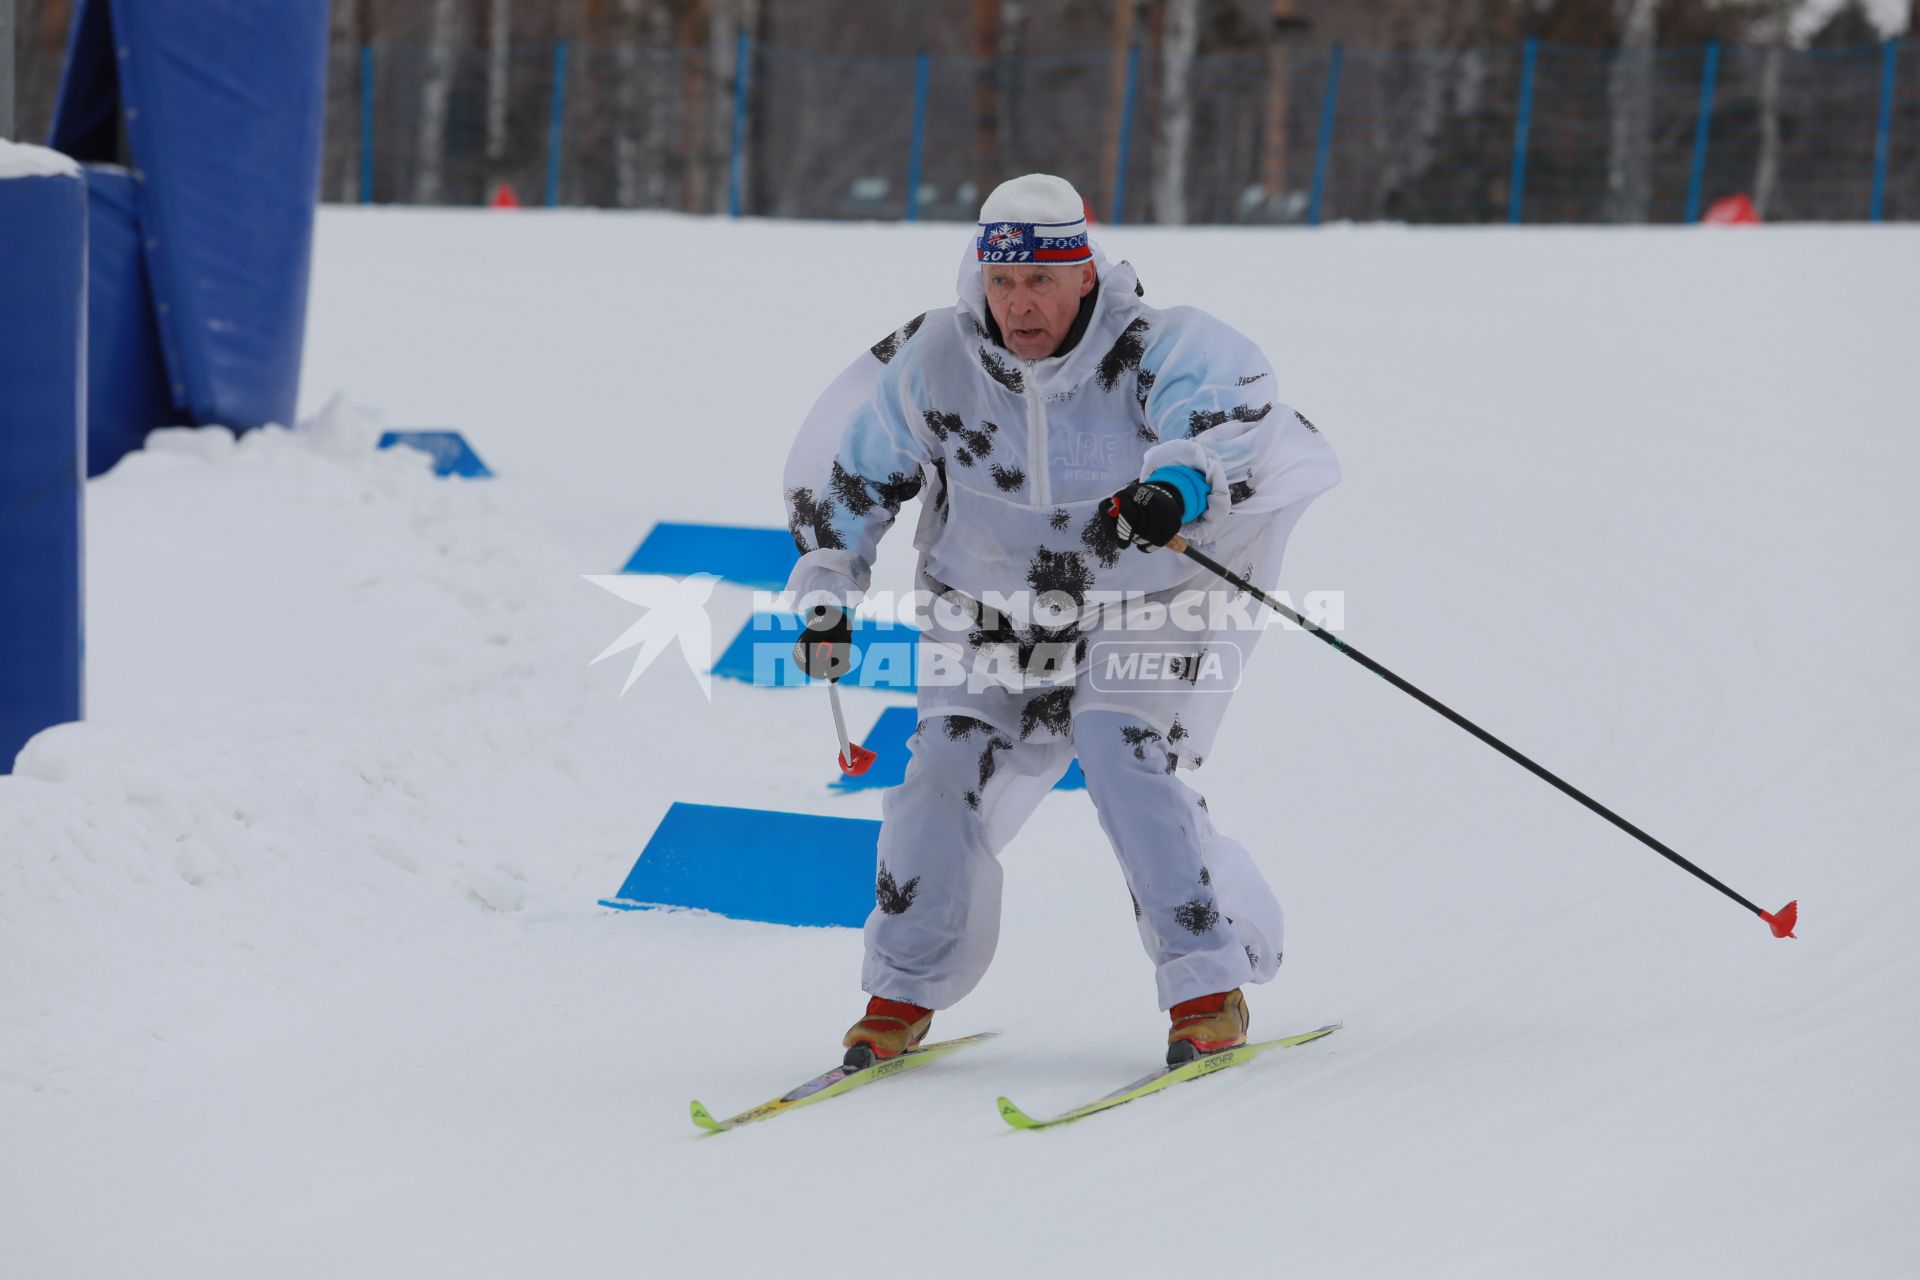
[(889, 347), (1136, 905), (1201, 420), (1303, 422), (1123, 355), (1197, 916), (1253, 959), (1206, 876), (979, 439), (1062, 571), (973, 799), (1102, 537), (1008, 478), (808, 515), (1052, 710), (898, 487), (994, 628), (1002, 372), (852, 490), (1177, 731), (962, 457), (1143, 386), (960, 728), (942, 424), (893, 899), (1203, 805), (1239, 491), (939, 495), (987, 762), (1138, 736), (1250, 379), (1059, 519)]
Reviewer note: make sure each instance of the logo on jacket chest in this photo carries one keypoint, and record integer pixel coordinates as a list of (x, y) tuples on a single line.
[(1083, 454)]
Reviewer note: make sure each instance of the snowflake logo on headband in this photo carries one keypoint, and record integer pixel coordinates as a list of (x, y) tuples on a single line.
[(1005, 236)]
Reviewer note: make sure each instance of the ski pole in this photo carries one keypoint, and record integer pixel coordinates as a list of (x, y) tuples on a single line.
[(854, 758), (1781, 921)]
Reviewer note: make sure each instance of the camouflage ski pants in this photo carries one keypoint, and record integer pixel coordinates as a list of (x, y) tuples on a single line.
[(1205, 914)]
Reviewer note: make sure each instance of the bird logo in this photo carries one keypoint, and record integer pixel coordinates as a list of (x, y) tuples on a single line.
[(676, 613)]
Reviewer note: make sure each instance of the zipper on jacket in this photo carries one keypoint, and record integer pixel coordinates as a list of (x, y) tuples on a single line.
[(1038, 466)]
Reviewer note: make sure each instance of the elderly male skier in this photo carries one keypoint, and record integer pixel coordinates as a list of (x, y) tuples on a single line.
[(1050, 421)]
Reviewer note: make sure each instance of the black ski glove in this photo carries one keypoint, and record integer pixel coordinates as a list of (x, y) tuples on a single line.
[(825, 647), (1147, 514)]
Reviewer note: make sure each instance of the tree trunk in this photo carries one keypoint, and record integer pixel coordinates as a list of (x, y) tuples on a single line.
[(656, 143), (726, 19), (986, 94), (1630, 101), (1123, 25), (1766, 173), (1282, 39), (1011, 155), (1176, 115), (436, 88), (629, 157), (499, 47)]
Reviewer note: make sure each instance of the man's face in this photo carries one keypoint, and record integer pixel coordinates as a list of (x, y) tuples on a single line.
[(1035, 305)]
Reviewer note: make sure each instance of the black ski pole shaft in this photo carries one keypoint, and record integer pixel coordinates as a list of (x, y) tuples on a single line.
[(1781, 922)]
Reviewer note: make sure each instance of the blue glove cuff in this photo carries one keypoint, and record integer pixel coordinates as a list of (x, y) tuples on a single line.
[(1192, 486)]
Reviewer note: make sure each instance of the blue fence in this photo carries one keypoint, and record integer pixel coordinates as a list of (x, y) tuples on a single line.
[(1532, 133)]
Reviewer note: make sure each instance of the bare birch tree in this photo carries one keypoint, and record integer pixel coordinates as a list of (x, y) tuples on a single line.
[(499, 49), (629, 157), (1766, 172), (436, 90), (1630, 103), (1180, 41)]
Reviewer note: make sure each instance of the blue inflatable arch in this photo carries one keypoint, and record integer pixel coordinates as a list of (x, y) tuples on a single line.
[(201, 125)]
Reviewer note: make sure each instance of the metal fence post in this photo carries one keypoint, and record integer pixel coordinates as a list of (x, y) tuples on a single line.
[(1125, 145), (6, 69), (366, 124), (1703, 125), (1522, 126), (556, 122), (1328, 105), (1883, 133), (737, 162), (922, 67)]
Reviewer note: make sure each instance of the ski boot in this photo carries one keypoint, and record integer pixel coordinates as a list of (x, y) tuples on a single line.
[(1207, 1024), (890, 1028)]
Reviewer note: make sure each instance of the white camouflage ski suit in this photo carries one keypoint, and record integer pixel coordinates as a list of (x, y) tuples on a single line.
[(1012, 460)]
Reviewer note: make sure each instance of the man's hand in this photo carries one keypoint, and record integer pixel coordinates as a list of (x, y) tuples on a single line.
[(825, 648), (1147, 514)]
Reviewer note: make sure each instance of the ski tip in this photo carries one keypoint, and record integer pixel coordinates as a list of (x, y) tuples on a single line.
[(704, 1118), (1014, 1116), (1783, 920)]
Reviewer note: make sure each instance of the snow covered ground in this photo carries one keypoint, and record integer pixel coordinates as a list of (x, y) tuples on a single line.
[(303, 971)]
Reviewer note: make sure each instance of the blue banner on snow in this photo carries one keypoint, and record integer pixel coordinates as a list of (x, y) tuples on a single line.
[(752, 557), (451, 454), (757, 864)]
